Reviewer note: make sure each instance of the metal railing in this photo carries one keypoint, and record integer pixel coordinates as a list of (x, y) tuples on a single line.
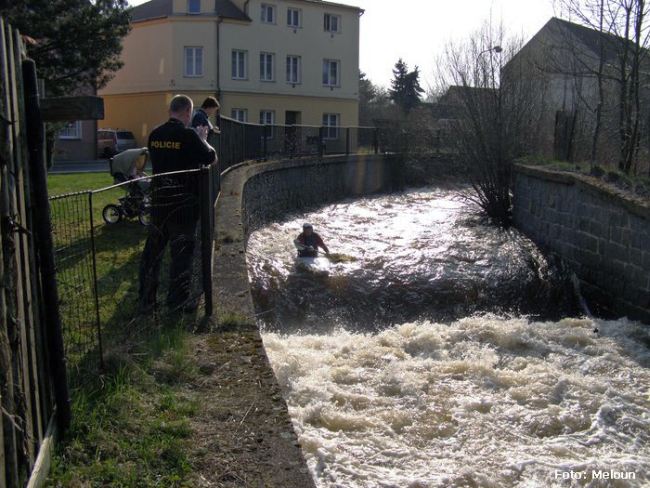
[(242, 141)]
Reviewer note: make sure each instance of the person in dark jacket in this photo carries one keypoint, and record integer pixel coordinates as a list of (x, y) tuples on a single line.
[(201, 117), (173, 146), (308, 243)]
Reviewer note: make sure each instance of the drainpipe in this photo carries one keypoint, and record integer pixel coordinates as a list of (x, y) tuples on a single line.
[(246, 7)]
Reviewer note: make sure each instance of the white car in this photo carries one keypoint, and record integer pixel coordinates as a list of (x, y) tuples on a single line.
[(113, 141)]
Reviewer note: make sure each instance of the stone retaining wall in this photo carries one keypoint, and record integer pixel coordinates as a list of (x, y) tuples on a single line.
[(601, 233)]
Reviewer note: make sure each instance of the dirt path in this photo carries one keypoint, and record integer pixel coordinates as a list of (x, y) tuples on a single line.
[(243, 434)]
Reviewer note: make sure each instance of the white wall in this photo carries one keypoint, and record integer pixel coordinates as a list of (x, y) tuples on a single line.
[(310, 42), (148, 57)]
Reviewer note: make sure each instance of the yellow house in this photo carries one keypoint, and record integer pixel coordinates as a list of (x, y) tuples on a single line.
[(274, 62)]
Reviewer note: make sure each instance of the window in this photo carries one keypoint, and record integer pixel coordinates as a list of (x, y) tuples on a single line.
[(239, 114), (293, 18), (332, 23), (331, 126), (239, 71), (193, 61), (267, 117), (266, 66), (193, 6), (71, 131), (293, 69), (268, 13), (331, 72)]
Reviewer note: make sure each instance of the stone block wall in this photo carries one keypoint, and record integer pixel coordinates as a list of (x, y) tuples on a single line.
[(602, 234)]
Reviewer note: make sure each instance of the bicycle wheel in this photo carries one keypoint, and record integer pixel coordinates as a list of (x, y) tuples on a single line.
[(111, 214)]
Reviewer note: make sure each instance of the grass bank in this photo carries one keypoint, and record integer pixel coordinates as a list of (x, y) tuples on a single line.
[(131, 421), (131, 418), (636, 185)]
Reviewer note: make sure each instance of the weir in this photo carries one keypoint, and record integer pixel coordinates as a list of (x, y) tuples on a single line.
[(408, 399)]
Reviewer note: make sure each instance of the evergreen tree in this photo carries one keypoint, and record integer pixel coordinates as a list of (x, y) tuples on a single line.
[(367, 90), (75, 43), (398, 83), (405, 88), (374, 102)]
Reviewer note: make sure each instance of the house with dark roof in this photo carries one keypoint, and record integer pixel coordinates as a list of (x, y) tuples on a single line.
[(267, 61), (560, 66)]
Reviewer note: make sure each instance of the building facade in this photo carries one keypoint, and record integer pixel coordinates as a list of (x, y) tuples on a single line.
[(274, 62), (560, 67)]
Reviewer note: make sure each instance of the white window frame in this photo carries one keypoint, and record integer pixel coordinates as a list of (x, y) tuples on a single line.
[(331, 131), (327, 72), (265, 121), (197, 69), (290, 17), (327, 23), (265, 9), (264, 75), (239, 114), (298, 79), (193, 12), (240, 65), (71, 132)]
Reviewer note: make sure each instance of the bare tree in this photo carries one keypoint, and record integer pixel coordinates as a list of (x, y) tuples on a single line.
[(494, 116)]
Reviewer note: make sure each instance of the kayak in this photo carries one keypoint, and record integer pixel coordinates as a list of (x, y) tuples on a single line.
[(313, 265)]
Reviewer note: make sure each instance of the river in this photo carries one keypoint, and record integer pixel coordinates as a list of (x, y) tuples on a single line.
[(443, 352)]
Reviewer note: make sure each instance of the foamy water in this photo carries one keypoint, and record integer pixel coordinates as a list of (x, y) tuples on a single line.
[(484, 401)]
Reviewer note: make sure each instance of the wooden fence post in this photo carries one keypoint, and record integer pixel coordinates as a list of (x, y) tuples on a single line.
[(48, 271)]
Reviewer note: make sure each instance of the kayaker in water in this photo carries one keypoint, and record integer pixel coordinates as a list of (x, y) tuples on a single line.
[(308, 243)]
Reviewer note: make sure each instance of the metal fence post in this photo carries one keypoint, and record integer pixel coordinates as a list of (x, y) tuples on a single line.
[(265, 147), (375, 141), (321, 142), (95, 288), (243, 144), (206, 205), (347, 141)]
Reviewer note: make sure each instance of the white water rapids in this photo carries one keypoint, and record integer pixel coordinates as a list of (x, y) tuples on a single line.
[(484, 401)]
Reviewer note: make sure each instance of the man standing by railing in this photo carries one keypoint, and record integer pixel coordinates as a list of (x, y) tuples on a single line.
[(201, 117), (175, 205)]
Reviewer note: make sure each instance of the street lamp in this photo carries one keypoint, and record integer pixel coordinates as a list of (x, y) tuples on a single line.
[(496, 49)]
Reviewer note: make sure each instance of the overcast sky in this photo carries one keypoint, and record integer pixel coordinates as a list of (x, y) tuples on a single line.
[(417, 30)]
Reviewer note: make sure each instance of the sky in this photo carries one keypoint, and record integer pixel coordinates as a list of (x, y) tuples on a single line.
[(418, 30)]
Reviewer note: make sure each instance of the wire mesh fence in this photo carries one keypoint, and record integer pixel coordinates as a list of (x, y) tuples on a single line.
[(74, 254), (135, 249)]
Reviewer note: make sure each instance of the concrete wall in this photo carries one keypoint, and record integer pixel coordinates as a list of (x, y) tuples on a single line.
[(310, 42), (603, 235), (82, 149), (311, 109), (269, 195), (148, 54)]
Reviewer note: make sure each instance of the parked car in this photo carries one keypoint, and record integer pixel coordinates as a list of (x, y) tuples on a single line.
[(113, 141)]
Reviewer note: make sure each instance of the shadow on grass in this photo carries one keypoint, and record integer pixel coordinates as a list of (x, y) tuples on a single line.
[(131, 421), (131, 418)]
